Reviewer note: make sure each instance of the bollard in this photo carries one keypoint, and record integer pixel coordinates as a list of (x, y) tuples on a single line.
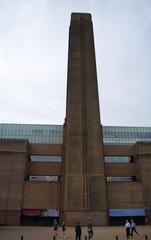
[(85, 237), (146, 237), (116, 237), (22, 238)]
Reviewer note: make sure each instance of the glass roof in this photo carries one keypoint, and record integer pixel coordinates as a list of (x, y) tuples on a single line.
[(53, 134), (126, 135), (44, 134)]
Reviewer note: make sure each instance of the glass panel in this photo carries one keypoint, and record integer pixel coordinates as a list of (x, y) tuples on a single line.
[(126, 135), (53, 134), (118, 159), (121, 178), (44, 178), (45, 158), (48, 134)]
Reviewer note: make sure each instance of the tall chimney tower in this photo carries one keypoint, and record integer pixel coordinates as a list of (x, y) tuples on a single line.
[(83, 195)]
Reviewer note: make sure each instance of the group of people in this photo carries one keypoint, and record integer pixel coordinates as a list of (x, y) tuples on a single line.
[(130, 228), (55, 229), (78, 230)]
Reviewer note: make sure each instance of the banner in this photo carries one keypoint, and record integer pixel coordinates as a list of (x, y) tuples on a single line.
[(29, 212), (122, 212), (51, 212)]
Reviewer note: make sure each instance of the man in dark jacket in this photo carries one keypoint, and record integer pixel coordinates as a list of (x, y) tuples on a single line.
[(78, 231)]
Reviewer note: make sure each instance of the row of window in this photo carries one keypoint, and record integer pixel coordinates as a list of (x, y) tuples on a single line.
[(108, 178), (126, 135), (43, 178), (45, 158), (124, 129), (45, 134), (121, 178), (118, 159), (107, 159), (53, 134), (26, 130)]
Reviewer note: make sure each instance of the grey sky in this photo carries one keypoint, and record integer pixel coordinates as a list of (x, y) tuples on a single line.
[(33, 59)]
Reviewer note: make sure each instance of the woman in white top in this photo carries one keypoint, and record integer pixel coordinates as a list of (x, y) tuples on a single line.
[(127, 228)]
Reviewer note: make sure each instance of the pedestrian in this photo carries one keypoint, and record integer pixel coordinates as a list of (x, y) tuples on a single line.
[(78, 231), (55, 228), (90, 230), (64, 229), (133, 228), (127, 228)]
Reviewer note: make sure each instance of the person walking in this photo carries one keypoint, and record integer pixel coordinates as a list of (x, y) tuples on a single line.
[(90, 230), (78, 231), (55, 229), (127, 228), (64, 229), (133, 228)]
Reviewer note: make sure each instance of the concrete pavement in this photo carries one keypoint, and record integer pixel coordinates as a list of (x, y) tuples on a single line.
[(46, 233)]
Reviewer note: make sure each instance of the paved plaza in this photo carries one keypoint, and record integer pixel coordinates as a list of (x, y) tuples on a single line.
[(46, 233)]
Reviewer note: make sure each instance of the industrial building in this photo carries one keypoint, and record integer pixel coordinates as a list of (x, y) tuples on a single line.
[(80, 170)]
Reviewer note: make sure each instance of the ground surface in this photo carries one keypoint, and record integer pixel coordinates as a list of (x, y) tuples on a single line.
[(46, 233)]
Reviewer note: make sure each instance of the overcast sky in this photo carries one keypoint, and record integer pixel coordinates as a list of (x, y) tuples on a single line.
[(33, 59)]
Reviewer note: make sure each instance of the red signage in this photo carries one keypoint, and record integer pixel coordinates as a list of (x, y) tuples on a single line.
[(31, 212)]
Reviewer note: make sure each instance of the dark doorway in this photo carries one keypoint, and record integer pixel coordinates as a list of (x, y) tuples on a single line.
[(118, 221), (37, 221)]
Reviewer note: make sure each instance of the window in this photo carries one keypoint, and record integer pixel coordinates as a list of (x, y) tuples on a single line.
[(44, 178), (45, 158), (121, 178), (118, 159), (125, 135), (37, 132)]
